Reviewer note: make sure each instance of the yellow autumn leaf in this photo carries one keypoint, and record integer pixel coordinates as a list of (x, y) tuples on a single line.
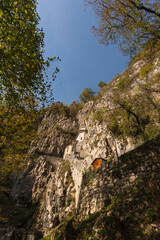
[(25, 11), (27, 65)]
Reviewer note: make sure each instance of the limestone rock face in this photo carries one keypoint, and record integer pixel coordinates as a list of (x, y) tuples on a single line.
[(54, 133), (48, 188), (30, 185), (47, 184), (59, 181), (58, 201)]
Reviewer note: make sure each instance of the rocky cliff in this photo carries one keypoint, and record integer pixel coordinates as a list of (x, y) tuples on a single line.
[(59, 194)]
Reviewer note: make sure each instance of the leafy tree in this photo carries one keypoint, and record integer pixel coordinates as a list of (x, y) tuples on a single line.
[(74, 107), (21, 62), (130, 23), (17, 130), (101, 84), (23, 81), (86, 95)]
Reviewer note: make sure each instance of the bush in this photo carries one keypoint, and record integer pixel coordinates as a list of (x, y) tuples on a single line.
[(102, 90), (98, 116), (86, 95), (108, 159), (101, 84), (145, 70)]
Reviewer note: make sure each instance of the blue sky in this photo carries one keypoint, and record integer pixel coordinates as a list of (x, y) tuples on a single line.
[(85, 62)]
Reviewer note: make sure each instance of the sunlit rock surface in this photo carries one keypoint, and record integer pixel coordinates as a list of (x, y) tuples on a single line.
[(59, 181)]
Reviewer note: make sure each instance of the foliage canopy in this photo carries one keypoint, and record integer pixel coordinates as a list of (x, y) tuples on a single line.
[(21, 62), (23, 80), (129, 23)]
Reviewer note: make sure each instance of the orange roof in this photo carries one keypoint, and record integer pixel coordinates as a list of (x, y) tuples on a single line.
[(97, 159)]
